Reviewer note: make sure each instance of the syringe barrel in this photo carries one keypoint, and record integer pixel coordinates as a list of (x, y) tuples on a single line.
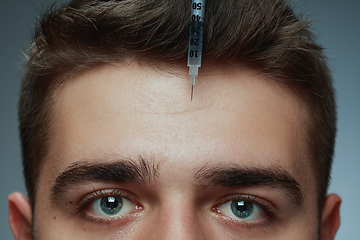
[(196, 33)]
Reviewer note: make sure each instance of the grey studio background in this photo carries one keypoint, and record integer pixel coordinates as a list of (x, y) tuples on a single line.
[(338, 28)]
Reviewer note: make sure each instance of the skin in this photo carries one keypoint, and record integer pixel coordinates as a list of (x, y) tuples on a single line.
[(237, 118)]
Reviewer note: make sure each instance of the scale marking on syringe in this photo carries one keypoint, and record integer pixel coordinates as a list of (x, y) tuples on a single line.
[(195, 40)]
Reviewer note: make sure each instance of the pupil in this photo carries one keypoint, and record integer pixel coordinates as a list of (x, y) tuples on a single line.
[(242, 209), (111, 202), (111, 205)]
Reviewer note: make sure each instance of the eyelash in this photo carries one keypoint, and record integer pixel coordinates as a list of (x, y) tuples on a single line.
[(263, 204), (97, 194)]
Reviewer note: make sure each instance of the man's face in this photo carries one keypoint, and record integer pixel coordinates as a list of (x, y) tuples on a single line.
[(131, 157)]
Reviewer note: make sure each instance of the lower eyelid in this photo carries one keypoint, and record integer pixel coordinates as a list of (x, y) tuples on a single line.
[(264, 223), (114, 220)]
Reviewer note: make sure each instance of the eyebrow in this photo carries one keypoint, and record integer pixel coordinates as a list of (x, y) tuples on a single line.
[(239, 177), (120, 171)]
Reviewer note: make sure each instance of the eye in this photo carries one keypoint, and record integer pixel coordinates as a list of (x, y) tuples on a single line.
[(242, 209), (111, 206), (107, 205)]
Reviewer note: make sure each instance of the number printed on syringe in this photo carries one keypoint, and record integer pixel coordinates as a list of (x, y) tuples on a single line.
[(195, 39)]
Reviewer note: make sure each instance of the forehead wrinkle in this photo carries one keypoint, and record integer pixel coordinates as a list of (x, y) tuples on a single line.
[(167, 104), (196, 108)]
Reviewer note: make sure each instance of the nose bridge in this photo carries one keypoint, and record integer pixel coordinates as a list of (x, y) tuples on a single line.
[(178, 220)]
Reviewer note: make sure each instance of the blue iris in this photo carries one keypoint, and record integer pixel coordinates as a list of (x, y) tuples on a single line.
[(111, 205), (242, 209)]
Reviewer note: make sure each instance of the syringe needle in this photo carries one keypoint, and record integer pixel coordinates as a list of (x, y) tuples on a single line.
[(192, 91)]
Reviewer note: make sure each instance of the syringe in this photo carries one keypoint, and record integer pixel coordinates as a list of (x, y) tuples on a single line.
[(195, 40)]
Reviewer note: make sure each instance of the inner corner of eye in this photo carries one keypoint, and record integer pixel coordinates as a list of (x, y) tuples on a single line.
[(216, 209)]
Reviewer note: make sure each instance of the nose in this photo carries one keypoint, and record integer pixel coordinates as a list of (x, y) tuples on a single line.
[(177, 221)]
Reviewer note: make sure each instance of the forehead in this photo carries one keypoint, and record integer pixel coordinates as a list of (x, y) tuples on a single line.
[(236, 116)]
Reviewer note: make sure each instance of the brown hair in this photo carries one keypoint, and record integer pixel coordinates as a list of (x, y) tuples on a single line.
[(264, 35)]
